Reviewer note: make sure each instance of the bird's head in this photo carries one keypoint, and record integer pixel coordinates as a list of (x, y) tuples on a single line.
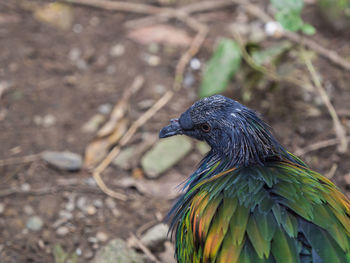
[(232, 130)]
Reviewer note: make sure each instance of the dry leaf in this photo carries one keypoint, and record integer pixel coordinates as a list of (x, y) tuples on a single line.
[(162, 34), (57, 14), (99, 147)]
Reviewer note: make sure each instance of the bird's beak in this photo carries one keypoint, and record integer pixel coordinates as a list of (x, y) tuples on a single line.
[(173, 128)]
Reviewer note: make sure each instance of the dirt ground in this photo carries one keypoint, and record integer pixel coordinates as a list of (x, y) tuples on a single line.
[(51, 96)]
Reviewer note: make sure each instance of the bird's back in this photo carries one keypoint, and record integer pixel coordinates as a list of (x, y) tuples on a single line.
[(281, 212)]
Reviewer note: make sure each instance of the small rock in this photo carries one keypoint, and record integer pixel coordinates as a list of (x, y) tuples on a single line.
[(195, 64), (78, 251), (25, 187), (151, 60), (165, 154), (28, 210), (105, 108), (34, 223), (273, 29), (203, 147), (188, 79), (62, 231), (65, 214), (102, 236), (77, 28), (145, 104), (124, 159), (81, 203), (110, 203), (98, 203), (63, 160), (117, 50), (91, 210), (116, 251), (74, 54), (2, 208), (155, 236), (92, 125)]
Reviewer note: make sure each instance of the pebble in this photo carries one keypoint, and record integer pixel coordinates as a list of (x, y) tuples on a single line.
[(92, 125), (151, 60), (81, 203), (65, 214), (28, 210), (110, 203), (63, 160), (117, 251), (91, 210), (102, 236), (25, 187), (34, 223), (117, 50), (2, 208), (77, 28), (124, 158), (195, 64), (98, 203), (74, 54), (62, 231), (273, 29), (105, 108), (155, 236)]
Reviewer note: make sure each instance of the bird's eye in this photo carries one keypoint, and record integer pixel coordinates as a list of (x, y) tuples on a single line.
[(205, 127)]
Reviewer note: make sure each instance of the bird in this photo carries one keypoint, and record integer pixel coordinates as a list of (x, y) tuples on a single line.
[(250, 200)]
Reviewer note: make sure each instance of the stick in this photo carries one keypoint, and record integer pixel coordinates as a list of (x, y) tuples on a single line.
[(318, 145), (338, 127), (18, 160), (120, 6), (144, 249), (201, 6)]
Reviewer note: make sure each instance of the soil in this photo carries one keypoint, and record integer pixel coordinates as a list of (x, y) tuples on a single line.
[(36, 62)]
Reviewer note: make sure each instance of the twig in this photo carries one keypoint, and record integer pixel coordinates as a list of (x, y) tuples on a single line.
[(318, 145), (329, 54), (330, 174), (18, 160), (201, 6), (119, 6), (338, 127), (144, 249)]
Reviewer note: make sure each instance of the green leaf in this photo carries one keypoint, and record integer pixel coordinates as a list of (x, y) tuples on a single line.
[(265, 56), (308, 29), (290, 20), (288, 5), (223, 64)]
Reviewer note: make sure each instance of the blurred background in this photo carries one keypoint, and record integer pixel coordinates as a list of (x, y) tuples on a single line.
[(85, 86)]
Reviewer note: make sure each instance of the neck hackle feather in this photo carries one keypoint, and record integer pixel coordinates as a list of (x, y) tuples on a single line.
[(250, 200)]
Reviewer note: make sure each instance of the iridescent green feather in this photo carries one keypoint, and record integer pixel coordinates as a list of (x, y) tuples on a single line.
[(282, 212)]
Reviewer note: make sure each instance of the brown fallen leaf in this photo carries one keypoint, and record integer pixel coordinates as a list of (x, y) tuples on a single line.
[(162, 34), (99, 147), (56, 14), (113, 129)]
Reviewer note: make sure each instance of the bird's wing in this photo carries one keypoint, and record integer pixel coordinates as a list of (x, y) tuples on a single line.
[(282, 212)]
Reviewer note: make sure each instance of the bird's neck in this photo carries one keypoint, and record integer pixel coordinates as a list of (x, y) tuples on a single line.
[(214, 163)]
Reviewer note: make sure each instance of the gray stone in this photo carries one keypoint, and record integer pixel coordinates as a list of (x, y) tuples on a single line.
[(203, 147), (165, 154), (34, 223), (155, 236), (116, 251), (2, 208), (62, 231), (124, 159), (63, 160)]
